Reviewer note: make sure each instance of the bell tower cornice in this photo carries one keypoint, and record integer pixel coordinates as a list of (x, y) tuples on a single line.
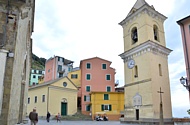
[(145, 9), (146, 47)]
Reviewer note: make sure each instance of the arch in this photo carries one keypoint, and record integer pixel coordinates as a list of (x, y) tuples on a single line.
[(134, 35), (156, 32), (64, 100)]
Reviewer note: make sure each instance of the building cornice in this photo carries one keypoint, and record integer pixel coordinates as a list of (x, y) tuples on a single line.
[(143, 48)]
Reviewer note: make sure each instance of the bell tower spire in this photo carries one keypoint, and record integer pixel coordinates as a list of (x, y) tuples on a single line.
[(145, 59)]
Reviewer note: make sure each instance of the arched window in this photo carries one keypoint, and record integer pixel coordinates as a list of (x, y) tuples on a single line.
[(156, 35), (134, 35)]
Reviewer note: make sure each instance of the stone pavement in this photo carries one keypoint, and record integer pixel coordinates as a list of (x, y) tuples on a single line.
[(54, 122)]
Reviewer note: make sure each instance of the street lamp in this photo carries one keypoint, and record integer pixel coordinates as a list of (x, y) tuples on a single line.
[(185, 83)]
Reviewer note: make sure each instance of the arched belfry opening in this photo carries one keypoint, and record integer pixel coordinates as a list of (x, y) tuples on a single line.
[(134, 35), (156, 34)]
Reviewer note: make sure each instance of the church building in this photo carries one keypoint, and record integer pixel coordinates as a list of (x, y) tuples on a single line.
[(145, 56)]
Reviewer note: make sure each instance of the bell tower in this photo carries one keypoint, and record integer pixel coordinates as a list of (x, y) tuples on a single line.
[(145, 65)]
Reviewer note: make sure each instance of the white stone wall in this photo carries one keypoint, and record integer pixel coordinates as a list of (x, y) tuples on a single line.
[(3, 58)]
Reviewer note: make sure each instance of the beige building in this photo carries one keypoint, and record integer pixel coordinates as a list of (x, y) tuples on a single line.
[(56, 96), (16, 27), (145, 65)]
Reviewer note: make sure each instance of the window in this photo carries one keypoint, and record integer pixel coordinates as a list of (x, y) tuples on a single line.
[(43, 98), (87, 98), (155, 30), (59, 68), (108, 89), (108, 77), (34, 71), (106, 97), (106, 107), (88, 65), (88, 77), (28, 100), (87, 107), (39, 77), (136, 71), (134, 35), (40, 72), (103, 66), (35, 99), (34, 76), (160, 69), (74, 76), (48, 70), (87, 88), (60, 75), (59, 58)]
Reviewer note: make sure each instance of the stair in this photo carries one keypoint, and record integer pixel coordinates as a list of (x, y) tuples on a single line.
[(76, 117)]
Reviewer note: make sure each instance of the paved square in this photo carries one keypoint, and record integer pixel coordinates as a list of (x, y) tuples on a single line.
[(54, 122)]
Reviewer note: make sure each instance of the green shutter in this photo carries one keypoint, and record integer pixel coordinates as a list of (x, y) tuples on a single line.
[(84, 98), (108, 89), (106, 97), (110, 108), (102, 107)]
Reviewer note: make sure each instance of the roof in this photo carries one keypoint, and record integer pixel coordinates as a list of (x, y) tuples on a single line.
[(95, 58), (50, 82), (183, 20), (66, 61), (138, 7)]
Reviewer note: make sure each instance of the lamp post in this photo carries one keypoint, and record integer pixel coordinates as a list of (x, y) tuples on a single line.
[(185, 83)]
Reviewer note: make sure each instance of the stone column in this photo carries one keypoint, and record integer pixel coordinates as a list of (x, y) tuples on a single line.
[(3, 58)]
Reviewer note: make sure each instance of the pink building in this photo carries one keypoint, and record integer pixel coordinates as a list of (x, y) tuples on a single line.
[(185, 33), (96, 76), (57, 67)]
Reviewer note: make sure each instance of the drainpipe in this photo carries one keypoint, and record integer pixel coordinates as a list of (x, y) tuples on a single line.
[(188, 67), (48, 99)]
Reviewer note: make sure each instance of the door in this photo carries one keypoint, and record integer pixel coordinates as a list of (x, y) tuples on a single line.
[(63, 108), (137, 114)]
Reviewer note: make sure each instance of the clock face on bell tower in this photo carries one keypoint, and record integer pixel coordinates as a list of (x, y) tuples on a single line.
[(145, 62)]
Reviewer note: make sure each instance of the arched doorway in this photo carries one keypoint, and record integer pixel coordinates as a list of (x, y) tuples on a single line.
[(64, 107)]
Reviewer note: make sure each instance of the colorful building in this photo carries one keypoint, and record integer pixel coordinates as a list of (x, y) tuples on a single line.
[(56, 96), (57, 67), (185, 33), (36, 76), (75, 77), (110, 104), (145, 59), (96, 76)]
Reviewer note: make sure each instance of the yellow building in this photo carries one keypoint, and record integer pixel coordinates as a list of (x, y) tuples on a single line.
[(109, 103), (145, 65), (57, 96), (75, 77)]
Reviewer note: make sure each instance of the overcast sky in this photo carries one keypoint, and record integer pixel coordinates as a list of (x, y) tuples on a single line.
[(81, 29)]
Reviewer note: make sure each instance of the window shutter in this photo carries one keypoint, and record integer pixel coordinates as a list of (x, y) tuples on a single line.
[(110, 108), (84, 98), (102, 107)]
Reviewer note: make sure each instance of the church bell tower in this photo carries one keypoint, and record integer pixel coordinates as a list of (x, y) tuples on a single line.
[(145, 65)]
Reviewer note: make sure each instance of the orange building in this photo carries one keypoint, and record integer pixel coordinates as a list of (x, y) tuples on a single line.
[(96, 76)]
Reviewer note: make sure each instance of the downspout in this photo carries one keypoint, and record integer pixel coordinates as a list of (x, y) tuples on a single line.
[(48, 99), (185, 42), (188, 67)]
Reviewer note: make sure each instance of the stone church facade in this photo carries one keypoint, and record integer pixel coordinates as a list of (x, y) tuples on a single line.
[(16, 27)]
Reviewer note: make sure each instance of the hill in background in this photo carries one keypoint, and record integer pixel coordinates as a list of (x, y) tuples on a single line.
[(38, 63)]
